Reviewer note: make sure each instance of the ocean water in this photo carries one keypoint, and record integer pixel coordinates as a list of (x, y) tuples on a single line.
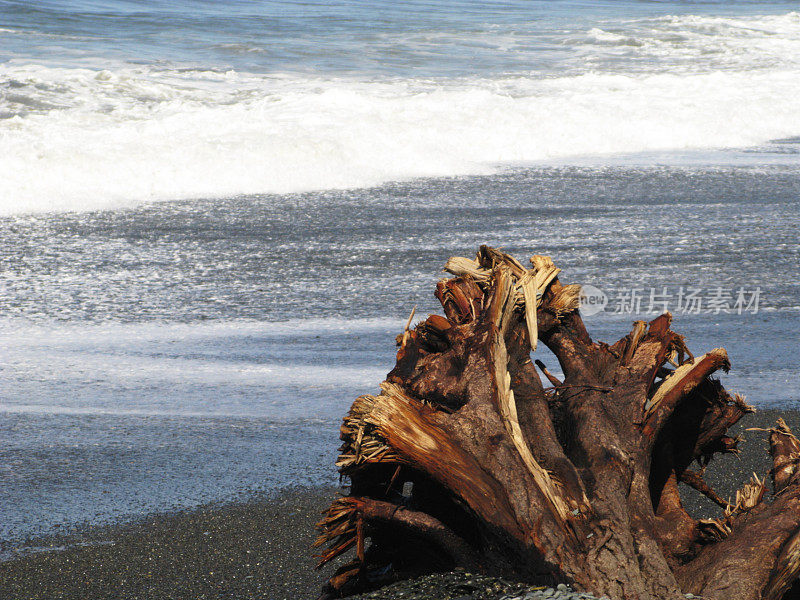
[(215, 217)]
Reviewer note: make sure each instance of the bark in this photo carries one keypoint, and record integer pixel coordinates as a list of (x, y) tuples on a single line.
[(466, 459)]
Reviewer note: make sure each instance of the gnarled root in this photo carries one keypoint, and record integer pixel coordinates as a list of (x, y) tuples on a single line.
[(466, 459)]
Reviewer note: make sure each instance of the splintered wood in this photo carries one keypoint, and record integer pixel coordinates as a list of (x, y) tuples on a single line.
[(465, 459)]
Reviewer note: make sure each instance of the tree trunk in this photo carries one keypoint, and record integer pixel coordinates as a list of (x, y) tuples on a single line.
[(466, 459)]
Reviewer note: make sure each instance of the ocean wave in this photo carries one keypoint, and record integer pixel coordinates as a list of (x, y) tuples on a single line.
[(695, 43), (57, 334), (41, 34), (77, 138), (281, 370)]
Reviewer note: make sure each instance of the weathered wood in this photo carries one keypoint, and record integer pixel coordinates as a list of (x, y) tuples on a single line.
[(464, 458)]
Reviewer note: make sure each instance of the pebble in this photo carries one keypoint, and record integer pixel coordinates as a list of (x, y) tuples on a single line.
[(459, 585)]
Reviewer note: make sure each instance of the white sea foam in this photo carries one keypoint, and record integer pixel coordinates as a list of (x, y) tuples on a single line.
[(697, 43), (233, 368), (80, 139)]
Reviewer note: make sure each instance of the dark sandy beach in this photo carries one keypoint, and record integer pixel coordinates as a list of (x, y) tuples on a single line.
[(257, 549)]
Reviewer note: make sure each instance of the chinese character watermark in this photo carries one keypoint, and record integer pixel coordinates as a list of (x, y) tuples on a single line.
[(658, 300)]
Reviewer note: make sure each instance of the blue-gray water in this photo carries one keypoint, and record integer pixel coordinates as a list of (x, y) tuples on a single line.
[(215, 217)]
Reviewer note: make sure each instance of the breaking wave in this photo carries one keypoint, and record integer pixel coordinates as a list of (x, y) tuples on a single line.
[(78, 138)]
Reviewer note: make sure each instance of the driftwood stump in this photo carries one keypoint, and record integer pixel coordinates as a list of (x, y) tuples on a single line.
[(466, 459)]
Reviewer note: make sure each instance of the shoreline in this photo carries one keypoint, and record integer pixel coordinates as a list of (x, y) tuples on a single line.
[(259, 548)]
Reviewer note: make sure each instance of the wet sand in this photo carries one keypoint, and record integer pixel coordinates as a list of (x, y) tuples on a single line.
[(259, 549)]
